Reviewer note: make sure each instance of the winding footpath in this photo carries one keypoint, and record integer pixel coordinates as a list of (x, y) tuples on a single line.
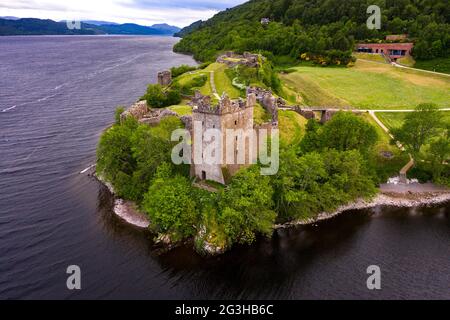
[(213, 85)]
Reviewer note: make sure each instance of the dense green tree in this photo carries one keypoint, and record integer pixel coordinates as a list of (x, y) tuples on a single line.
[(159, 97), (316, 27), (246, 206), (171, 207), (346, 131), (177, 71), (318, 182), (129, 154), (297, 184), (115, 162), (419, 127), (439, 156), (312, 139), (149, 152)]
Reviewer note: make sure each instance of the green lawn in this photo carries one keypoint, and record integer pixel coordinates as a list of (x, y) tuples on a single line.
[(181, 110), (292, 127), (221, 80), (407, 61), (368, 85), (371, 57), (394, 120), (185, 78)]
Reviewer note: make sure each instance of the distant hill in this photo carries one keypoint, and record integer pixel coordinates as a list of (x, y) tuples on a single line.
[(31, 26), (99, 23), (189, 29), (166, 28), (327, 28), (10, 18)]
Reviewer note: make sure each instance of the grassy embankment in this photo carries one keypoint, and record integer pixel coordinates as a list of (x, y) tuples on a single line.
[(438, 65), (371, 57), (367, 85), (221, 81)]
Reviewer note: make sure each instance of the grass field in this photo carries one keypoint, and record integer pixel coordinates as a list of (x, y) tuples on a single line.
[(369, 56), (407, 61), (181, 110), (221, 80), (368, 85), (185, 78), (394, 120), (292, 127)]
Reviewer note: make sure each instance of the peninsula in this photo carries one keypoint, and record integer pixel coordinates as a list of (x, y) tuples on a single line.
[(331, 159)]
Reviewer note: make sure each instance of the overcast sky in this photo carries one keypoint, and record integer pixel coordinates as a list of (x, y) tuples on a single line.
[(146, 12)]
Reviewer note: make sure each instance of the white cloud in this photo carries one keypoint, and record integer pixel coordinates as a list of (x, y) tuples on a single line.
[(175, 12)]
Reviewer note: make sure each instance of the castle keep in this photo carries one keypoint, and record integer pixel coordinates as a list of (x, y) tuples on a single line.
[(227, 114), (164, 78)]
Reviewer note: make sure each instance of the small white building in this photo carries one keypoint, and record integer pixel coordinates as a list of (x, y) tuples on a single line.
[(265, 21)]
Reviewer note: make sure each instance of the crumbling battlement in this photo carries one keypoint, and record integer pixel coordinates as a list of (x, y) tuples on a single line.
[(155, 116), (142, 113), (202, 104), (137, 111)]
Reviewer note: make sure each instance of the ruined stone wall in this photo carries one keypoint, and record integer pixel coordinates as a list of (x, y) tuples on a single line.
[(137, 111), (247, 59), (268, 101), (154, 116)]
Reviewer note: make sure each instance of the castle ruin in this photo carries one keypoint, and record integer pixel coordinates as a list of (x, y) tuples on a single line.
[(164, 78), (228, 114)]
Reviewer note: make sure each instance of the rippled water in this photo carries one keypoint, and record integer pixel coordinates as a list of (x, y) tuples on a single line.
[(56, 96)]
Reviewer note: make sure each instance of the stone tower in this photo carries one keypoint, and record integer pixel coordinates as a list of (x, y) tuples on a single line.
[(228, 114), (164, 78)]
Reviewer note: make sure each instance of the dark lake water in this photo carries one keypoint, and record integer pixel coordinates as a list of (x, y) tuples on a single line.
[(56, 96)]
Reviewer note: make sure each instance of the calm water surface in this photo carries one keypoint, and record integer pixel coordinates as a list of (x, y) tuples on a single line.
[(56, 96)]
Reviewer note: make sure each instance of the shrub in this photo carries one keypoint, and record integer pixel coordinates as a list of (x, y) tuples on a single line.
[(118, 113), (178, 71), (156, 97)]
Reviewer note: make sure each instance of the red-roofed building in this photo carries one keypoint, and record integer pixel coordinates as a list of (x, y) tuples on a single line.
[(392, 50)]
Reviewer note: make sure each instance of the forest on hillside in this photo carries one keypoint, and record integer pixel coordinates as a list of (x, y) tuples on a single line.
[(328, 28)]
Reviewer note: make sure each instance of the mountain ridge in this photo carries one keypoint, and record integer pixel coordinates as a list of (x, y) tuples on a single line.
[(34, 26)]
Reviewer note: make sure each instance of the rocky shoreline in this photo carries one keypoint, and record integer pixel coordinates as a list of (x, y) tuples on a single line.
[(389, 199), (404, 196), (126, 210)]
